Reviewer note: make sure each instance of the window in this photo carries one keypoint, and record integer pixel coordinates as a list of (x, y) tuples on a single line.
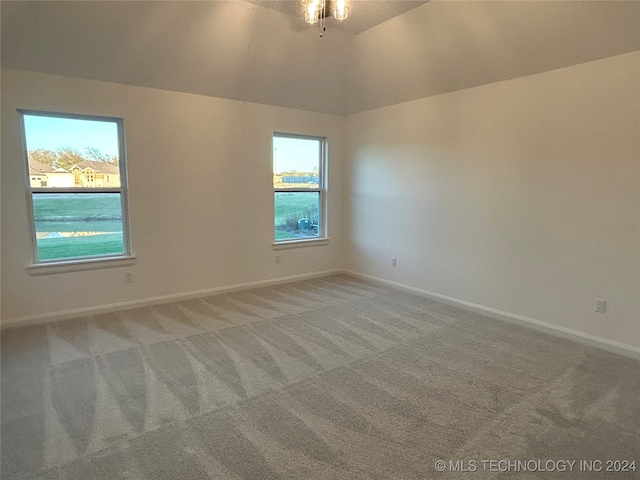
[(74, 218), (299, 187)]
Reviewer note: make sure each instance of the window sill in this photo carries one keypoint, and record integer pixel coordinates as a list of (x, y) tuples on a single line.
[(65, 266), (307, 242)]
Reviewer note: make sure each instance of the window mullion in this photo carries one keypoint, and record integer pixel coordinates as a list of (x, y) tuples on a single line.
[(300, 190), (76, 190)]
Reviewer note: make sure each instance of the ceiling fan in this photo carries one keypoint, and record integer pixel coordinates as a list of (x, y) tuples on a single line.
[(318, 10)]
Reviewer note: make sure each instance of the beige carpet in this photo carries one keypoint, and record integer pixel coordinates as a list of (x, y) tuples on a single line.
[(332, 378)]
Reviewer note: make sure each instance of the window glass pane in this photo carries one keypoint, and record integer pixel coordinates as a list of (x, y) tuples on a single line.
[(297, 215), (71, 225), (296, 162), (69, 152)]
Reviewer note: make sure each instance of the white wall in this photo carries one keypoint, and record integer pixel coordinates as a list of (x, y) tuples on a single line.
[(521, 196), (201, 200)]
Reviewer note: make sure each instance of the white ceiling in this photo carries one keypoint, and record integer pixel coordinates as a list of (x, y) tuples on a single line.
[(446, 46), (243, 51)]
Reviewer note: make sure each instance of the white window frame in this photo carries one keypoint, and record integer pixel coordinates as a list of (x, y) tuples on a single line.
[(322, 237), (42, 267)]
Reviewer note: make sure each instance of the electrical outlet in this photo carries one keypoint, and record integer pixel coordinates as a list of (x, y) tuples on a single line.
[(278, 259), (393, 261), (601, 305), (128, 277)]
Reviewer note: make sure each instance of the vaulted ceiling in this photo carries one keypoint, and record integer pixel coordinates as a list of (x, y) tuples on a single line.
[(261, 51)]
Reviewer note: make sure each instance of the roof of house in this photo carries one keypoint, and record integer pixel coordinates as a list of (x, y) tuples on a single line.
[(38, 168), (101, 167)]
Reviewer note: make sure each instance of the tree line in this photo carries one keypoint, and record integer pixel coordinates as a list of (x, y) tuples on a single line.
[(296, 173), (66, 157)]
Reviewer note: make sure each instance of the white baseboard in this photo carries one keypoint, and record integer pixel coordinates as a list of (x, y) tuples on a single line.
[(555, 330), (146, 302), (558, 331)]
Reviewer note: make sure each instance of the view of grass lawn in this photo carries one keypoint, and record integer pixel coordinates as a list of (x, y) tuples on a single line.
[(83, 225), (81, 246), (291, 207), (78, 225)]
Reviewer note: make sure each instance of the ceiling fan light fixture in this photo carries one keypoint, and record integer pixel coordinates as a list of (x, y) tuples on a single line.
[(312, 9), (340, 10), (317, 10), (311, 17)]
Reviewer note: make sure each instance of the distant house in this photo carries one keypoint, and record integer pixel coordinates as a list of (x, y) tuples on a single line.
[(38, 174), (292, 180), (95, 174), (300, 179), (83, 174), (60, 178)]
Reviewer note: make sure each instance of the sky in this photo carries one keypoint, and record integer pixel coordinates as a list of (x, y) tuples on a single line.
[(51, 133), (301, 154)]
